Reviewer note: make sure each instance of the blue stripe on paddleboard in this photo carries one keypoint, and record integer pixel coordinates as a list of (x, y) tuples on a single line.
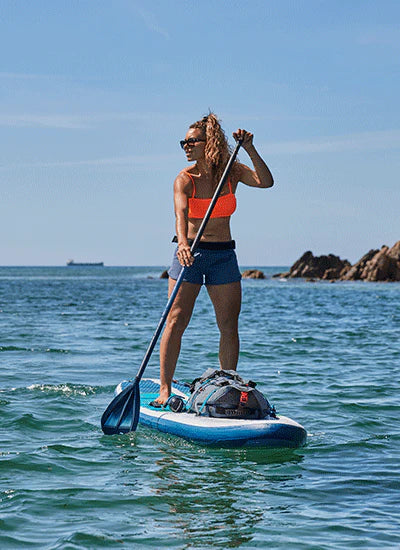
[(275, 434)]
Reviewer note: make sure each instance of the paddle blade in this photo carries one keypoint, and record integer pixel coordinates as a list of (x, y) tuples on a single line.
[(122, 414)]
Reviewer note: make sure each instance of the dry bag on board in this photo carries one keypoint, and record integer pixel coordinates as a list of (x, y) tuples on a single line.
[(224, 394)]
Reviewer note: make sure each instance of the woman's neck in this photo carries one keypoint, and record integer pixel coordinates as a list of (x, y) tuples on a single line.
[(203, 169)]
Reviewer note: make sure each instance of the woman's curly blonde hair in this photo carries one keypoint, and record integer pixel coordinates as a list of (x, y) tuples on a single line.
[(217, 150)]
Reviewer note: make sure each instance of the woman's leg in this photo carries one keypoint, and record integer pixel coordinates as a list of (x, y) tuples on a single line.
[(227, 301), (177, 321)]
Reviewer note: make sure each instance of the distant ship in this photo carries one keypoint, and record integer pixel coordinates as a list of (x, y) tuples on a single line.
[(85, 264)]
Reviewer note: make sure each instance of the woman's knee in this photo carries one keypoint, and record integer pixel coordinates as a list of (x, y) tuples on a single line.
[(228, 323), (177, 321)]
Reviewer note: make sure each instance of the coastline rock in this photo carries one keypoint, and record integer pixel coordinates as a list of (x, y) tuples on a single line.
[(317, 267), (253, 274), (377, 266), (354, 273)]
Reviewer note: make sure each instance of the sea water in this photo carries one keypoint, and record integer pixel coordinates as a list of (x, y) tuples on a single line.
[(326, 355)]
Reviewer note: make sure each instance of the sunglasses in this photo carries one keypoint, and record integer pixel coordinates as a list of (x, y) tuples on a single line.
[(190, 141)]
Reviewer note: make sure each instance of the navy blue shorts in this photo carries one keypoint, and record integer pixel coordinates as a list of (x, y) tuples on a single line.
[(210, 267)]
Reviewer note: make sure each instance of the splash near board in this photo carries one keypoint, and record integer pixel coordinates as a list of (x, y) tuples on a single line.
[(273, 431)]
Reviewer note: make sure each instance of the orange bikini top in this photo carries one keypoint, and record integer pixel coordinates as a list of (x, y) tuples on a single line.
[(224, 207)]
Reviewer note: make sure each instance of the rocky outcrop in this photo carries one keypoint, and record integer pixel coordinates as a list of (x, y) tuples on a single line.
[(355, 271), (377, 265), (317, 267), (253, 274)]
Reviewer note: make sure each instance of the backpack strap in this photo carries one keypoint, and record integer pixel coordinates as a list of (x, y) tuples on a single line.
[(205, 401)]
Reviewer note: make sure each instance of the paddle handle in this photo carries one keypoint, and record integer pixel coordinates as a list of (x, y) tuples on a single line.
[(182, 272)]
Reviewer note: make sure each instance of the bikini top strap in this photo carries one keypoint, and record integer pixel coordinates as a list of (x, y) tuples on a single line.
[(194, 186)]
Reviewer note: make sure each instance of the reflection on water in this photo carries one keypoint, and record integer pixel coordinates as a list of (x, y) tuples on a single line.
[(214, 497)]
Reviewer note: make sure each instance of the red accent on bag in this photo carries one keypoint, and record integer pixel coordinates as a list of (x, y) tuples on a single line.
[(244, 397)]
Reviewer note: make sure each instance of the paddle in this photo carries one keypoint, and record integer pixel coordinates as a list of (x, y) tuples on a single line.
[(122, 414)]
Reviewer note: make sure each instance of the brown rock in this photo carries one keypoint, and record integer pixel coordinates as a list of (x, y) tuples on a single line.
[(317, 267), (394, 253), (382, 267), (354, 273), (331, 273), (376, 265), (253, 274), (377, 268), (281, 275), (345, 270)]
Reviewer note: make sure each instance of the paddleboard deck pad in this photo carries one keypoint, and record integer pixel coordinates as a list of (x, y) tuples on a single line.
[(274, 432)]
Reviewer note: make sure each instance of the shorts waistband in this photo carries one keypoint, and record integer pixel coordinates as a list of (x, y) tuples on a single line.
[(211, 245)]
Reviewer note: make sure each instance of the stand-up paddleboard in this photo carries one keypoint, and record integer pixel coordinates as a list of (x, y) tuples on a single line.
[(273, 432)]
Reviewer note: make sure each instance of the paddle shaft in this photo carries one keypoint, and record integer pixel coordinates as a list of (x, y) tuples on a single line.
[(182, 272)]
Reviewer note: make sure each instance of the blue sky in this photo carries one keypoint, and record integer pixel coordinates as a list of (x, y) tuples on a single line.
[(95, 96)]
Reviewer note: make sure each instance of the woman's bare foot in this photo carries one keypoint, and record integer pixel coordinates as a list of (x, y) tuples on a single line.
[(163, 397)]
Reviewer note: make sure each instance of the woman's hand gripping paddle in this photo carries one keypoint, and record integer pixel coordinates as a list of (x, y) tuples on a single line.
[(122, 414)]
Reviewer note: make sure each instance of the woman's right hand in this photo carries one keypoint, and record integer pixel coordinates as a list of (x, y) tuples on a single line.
[(184, 255)]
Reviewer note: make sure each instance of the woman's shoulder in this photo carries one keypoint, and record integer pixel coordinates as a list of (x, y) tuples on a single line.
[(186, 175), (184, 180), (187, 172)]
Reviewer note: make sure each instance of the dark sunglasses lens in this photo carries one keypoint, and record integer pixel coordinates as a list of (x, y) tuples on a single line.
[(190, 141)]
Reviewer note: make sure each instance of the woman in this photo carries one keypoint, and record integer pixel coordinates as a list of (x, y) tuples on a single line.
[(215, 265)]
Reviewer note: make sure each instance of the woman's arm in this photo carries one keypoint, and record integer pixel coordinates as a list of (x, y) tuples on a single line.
[(261, 175), (181, 219)]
